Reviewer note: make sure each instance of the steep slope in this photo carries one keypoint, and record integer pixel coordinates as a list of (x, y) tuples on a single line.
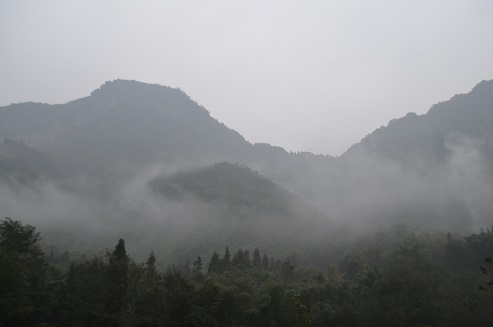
[(424, 141), (233, 185), (123, 121), (20, 163), (432, 171), (126, 126)]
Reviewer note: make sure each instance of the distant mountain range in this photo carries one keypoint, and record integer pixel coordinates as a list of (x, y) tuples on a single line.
[(130, 148), (130, 122)]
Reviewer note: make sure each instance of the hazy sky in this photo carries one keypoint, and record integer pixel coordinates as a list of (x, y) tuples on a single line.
[(305, 75)]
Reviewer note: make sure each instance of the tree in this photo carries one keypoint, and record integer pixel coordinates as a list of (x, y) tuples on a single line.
[(215, 264), (23, 274), (226, 261), (257, 261), (239, 259), (85, 295), (19, 239), (302, 311), (265, 262), (151, 261), (117, 283), (197, 265), (246, 258), (149, 301), (489, 285), (179, 295)]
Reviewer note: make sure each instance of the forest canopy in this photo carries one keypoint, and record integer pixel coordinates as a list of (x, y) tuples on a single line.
[(395, 278)]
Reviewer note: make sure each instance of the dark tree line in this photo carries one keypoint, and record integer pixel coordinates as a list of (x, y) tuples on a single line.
[(412, 281), (240, 260)]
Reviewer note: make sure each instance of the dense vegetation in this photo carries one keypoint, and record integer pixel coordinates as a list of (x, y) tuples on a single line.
[(395, 278), (236, 185)]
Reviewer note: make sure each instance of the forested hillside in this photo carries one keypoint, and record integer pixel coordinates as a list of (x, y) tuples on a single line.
[(236, 186)]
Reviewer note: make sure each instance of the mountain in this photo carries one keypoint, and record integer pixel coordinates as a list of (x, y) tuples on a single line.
[(123, 122), (235, 186), (237, 206), (126, 126), (429, 140), (433, 170), (127, 136), (20, 163), (148, 163), (130, 122)]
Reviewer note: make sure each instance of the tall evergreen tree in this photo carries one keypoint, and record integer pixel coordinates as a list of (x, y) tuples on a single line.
[(226, 260), (151, 261), (246, 259), (117, 283), (240, 259), (257, 261), (148, 296), (215, 264), (265, 262), (85, 295)]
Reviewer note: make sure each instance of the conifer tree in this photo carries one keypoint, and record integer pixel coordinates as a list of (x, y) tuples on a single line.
[(151, 261), (265, 262), (226, 261), (215, 264), (257, 261), (240, 259), (117, 283), (197, 265), (246, 258)]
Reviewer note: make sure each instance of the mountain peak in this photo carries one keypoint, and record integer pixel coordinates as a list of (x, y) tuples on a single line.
[(133, 94), (129, 85), (132, 88), (483, 86), (424, 139)]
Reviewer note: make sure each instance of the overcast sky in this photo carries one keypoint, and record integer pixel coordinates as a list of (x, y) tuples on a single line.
[(305, 75)]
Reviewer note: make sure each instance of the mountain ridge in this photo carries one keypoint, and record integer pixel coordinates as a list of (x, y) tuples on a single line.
[(464, 115), (134, 94), (126, 128)]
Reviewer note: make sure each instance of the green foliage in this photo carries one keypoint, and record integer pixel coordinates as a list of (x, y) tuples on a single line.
[(481, 244), (237, 186), (256, 261), (410, 283), (215, 265), (197, 266), (226, 260), (117, 283), (301, 310), (19, 239), (84, 297), (486, 271), (23, 274)]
